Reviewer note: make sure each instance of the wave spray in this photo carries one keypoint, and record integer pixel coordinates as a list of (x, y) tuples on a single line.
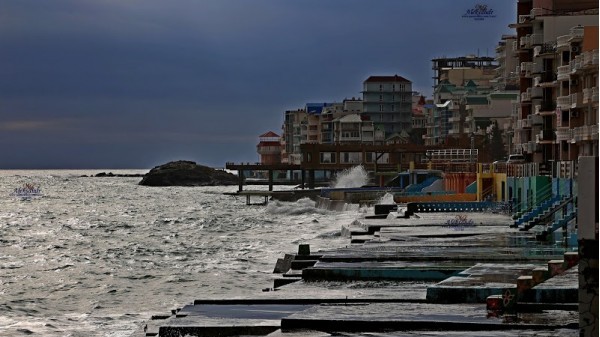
[(354, 177)]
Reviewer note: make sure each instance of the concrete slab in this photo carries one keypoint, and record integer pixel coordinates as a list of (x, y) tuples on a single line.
[(477, 283), (419, 316), (228, 319), (418, 250), (562, 288), (434, 333), (369, 270)]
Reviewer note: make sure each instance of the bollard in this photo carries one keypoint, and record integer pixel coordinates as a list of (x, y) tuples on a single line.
[(304, 249)]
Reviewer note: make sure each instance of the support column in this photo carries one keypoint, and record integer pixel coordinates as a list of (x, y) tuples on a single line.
[(303, 173), (587, 236), (311, 178), (241, 179), (270, 180)]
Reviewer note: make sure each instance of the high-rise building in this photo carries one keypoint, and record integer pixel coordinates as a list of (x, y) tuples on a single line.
[(387, 102), (557, 117)]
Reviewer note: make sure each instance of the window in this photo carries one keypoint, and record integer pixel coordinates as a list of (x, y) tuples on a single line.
[(350, 157), (350, 134), (380, 107), (327, 157), (380, 98), (384, 158), (381, 87)]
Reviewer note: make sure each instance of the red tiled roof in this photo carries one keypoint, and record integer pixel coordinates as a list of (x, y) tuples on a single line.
[(394, 78), (269, 134)]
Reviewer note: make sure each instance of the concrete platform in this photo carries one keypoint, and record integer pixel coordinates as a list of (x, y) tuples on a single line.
[(433, 333), (369, 270), (381, 284), (563, 288), (475, 284), (419, 316)]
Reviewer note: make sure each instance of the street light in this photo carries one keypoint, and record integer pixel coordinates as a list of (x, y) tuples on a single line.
[(509, 134), (472, 147)]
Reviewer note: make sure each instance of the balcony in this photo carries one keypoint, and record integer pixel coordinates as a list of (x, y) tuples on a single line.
[(576, 64), (563, 73), (587, 58), (545, 136), (587, 95), (576, 100), (545, 109), (564, 134), (524, 18), (540, 12), (563, 102), (576, 33), (526, 68), (526, 96), (535, 120), (535, 92), (547, 49), (529, 147), (453, 119), (586, 132), (563, 41), (523, 124)]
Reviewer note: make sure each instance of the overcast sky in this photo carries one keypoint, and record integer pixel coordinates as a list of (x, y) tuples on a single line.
[(137, 83)]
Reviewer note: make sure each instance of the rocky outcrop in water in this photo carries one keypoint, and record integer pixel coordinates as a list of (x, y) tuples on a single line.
[(110, 174), (187, 173)]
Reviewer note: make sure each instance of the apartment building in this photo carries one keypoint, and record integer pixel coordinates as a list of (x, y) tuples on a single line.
[(552, 122), (387, 103), (454, 79), (292, 136), (326, 123), (507, 77)]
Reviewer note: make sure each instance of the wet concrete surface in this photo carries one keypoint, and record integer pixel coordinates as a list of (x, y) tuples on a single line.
[(472, 262)]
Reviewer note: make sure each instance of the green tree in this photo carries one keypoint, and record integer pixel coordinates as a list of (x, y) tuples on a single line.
[(496, 145)]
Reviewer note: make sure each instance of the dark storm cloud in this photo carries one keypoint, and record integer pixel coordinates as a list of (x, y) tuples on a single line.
[(137, 82)]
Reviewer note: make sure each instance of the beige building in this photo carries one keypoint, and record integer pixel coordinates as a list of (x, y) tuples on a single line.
[(552, 122)]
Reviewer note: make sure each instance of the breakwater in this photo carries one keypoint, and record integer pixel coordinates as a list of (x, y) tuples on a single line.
[(403, 273)]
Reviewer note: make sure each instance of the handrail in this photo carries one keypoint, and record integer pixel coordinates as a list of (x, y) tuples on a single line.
[(545, 194)]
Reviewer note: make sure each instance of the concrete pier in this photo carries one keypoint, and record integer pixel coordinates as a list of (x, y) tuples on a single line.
[(405, 276)]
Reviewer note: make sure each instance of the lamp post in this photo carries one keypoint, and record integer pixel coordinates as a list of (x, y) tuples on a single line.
[(472, 147), (509, 134)]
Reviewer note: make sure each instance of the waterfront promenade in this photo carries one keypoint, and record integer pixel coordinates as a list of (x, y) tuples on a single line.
[(402, 276)]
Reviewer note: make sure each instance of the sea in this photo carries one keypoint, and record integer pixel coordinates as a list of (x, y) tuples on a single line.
[(97, 256)]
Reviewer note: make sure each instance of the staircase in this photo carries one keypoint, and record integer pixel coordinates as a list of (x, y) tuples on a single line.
[(545, 215), (536, 211)]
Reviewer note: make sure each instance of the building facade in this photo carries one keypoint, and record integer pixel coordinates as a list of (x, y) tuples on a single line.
[(387, 102), (552, 122)]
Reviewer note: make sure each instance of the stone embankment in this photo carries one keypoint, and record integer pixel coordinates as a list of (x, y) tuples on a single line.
[(404, 275)]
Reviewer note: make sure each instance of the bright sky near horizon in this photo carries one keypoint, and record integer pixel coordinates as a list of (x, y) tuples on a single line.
[(137, 83)]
